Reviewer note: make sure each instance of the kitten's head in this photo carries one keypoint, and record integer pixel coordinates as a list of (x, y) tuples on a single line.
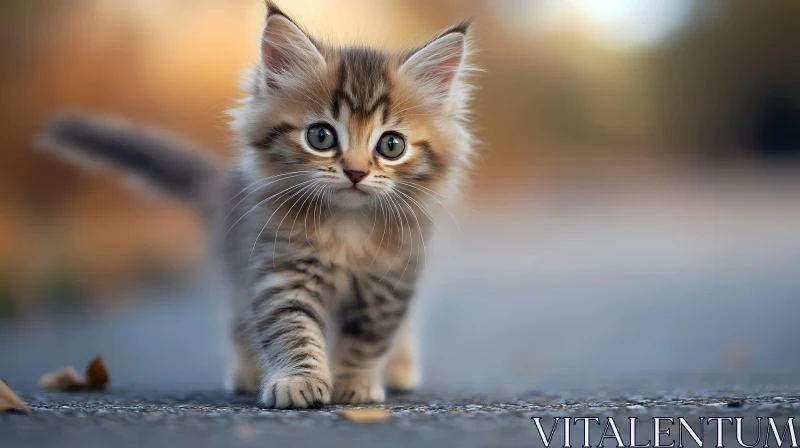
[(357, 123)]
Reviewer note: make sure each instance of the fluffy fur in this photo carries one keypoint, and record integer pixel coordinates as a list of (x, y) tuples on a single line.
[(321, 249)]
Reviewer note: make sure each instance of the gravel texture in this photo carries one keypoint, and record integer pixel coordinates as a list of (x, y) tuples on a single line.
[(122, 418)]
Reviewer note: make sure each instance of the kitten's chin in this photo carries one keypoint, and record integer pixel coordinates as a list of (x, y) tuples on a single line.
[(350, 198)]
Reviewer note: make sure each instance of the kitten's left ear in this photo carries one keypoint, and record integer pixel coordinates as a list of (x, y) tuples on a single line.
[(286, 50), (438, 64)]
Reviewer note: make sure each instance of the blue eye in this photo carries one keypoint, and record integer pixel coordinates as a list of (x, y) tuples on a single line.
[(391, 145), (321, 137)]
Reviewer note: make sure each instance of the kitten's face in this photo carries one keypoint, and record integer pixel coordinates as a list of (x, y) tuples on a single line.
[(360, 126)]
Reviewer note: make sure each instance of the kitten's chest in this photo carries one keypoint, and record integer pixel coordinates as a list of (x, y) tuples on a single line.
[(369, 252), (350, 242)]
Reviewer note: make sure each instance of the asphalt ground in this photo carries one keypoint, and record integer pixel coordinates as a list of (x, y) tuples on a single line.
[(123, 419)]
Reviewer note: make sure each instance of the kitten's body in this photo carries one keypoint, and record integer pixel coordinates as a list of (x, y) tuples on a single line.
[(321, 247), (323, 272)]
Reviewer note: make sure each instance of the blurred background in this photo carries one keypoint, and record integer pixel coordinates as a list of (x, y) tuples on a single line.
[(633, 212)]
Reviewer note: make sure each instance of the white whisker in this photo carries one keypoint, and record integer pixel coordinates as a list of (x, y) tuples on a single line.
[(422, 208), (385, 219), (308, 195), (410, 237), (264, 201), (264, 179), (435, 199), (374, 222), (304, 192), (421, 236), (255, 243), (313, 204), (293, 175), (402, 234)]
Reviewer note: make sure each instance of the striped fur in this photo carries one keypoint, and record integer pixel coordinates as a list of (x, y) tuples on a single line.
[(321, 271)]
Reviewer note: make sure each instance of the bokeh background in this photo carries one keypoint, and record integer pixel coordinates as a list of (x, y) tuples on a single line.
[(633, 212)]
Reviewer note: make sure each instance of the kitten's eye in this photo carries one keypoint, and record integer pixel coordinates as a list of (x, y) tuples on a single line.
[(391, 146), (321, 137)]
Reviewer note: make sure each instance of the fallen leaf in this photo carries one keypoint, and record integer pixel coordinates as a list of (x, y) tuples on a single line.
[(62, 380), (68, 379), (367, 415), (97, 375), (9, 401)]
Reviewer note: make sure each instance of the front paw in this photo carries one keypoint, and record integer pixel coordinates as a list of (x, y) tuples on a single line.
[(402, 375), (357, 390), (243, 380), (296, 392)]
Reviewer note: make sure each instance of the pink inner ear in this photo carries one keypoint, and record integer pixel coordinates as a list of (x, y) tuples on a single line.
[(449, 67), (285, 46), (274, 61), (272, 58), (276, 46), (439, 61)]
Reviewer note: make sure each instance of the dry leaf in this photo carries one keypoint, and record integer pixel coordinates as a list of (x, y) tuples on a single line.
[(64, 379), (96, 375), (68, 379), (9, 401), (368, 415)]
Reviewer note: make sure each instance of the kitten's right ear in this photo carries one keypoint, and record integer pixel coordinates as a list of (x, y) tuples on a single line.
[(285, 49), (437, 65)]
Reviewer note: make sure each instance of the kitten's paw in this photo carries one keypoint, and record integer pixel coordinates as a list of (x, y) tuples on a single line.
[(357, 390), (403, 377), (296, 392), (403, 373), (243, 380)]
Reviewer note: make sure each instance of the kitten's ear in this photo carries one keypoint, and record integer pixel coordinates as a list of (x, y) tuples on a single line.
[(286, 49), (438, 64)]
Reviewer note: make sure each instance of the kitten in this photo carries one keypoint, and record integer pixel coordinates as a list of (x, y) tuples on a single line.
[(322, 219)]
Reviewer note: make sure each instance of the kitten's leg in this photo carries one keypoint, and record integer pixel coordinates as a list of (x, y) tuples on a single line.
[(403, 373), (369, 323), (290, 317), (244, 371)]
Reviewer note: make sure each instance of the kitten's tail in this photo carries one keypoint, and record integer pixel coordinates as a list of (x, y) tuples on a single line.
[(157, 159)]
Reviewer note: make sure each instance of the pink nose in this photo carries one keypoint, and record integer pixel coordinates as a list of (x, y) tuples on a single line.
[(356, 176)]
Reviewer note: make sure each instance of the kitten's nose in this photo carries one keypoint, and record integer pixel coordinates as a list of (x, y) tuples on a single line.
[(356, 176)]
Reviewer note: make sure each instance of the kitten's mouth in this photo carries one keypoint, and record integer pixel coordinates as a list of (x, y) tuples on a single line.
[(351, 197)]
